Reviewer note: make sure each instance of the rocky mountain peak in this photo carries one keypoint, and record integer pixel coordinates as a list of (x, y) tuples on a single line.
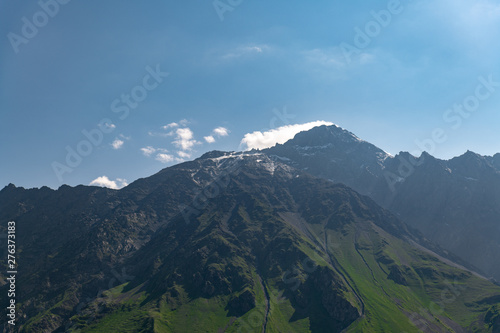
[(322, 136)]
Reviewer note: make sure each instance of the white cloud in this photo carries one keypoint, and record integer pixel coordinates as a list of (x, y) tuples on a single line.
[(171, 125), (245, 50), (184, 139), (104, 181), (183, 154), (262, 140), (333, 60), (325, 58), (165, 158), (209, 139), (161, 135), (117, 144), (148, 151), (109, 126), (221, 131)]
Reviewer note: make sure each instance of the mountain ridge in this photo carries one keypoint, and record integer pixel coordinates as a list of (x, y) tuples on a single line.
[(261, 239)]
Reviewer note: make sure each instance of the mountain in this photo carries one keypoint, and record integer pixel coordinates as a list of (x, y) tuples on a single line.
[(336, 154), (233, 242), (454, 203)]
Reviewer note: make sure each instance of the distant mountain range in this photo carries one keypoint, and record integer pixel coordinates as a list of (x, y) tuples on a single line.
[(281, 240)]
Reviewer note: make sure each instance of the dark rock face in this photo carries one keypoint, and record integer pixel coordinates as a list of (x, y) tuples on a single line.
[(493, 319), (323, 290), (240, 305), (338, 308), (397, 275)]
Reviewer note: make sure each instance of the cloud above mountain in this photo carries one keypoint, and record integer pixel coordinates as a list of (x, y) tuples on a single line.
[(104, 181), (267, 139)]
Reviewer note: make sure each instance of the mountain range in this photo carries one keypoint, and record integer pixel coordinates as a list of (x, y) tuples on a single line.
[(454, 203), (324, 233)]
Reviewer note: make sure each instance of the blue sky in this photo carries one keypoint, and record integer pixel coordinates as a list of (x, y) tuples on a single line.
[(261, 67)]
